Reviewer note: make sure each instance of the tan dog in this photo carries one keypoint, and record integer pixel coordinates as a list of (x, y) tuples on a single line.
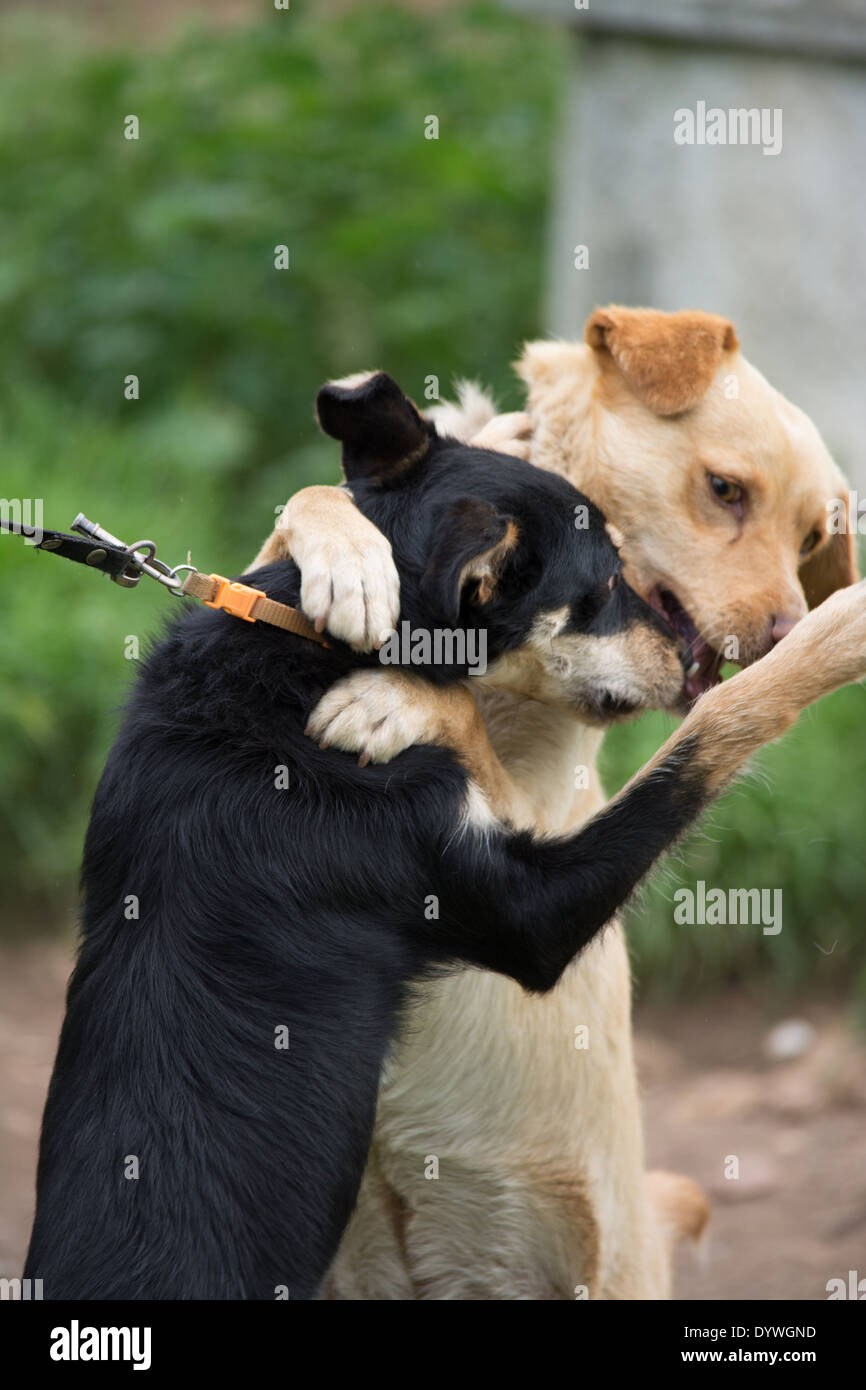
[(719, 487)]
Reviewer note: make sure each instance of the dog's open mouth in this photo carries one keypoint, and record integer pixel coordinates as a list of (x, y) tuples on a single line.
[(706, 665)]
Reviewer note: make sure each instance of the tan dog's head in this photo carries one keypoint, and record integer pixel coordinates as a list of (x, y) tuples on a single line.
[(719, 486)]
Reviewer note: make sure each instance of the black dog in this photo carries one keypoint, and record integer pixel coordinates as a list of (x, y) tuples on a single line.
[(253, 906)]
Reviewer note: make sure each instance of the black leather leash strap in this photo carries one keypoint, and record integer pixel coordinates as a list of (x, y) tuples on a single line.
[(97, 556), (100, 550)]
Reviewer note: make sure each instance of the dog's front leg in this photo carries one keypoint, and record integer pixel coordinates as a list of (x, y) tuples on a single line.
[(378, 714), (349, 582), (552, 897)]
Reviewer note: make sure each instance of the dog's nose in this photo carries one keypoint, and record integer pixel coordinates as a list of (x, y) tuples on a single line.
[(780, 627)]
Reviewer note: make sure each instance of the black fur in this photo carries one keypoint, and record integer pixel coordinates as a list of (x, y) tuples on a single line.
[(263, 908)]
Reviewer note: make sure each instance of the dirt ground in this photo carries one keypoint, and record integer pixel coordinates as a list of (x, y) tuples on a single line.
[(793, 1218)]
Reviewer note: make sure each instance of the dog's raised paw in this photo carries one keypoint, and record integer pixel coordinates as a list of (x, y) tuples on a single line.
[(830, 642), (375, 714), (352, 590)]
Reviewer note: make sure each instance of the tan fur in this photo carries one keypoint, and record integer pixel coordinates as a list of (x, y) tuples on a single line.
[(648, 473), (466, 417), (507, 434), (557, 1223), (487, 1078), (668, 360), (349, 581), (639, 666), (833, 565), (681, 1205), (378, 718)]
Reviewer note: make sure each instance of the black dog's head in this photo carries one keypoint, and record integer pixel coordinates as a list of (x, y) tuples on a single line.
[(486, 542)]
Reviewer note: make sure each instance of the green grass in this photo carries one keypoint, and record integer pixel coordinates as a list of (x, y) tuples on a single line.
[(794, 823)]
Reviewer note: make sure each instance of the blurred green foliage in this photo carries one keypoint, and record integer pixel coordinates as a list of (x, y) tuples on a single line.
[(156, 257), (795, 822)]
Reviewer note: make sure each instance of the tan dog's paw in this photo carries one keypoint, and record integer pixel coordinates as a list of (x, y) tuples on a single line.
[(506, 434), (349, 582), (353, 591), (379, 713), (824, 651), (827, 648)]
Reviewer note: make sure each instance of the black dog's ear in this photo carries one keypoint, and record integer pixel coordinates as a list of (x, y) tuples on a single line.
[(381, 431), (470, 547)]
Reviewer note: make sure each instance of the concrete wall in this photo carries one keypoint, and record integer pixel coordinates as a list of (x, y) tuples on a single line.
[(775, 242)]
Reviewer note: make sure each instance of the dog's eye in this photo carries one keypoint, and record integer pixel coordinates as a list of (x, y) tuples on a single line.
[(810, 542), (727, 492)]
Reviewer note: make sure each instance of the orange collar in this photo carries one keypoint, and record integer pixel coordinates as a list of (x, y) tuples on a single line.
[(252, 605)]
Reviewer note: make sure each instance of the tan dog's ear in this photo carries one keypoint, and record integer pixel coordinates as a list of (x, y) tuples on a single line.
[(667, 360), (834, 566)]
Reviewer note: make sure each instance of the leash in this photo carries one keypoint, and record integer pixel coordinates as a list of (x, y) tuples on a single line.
[(126, 564)]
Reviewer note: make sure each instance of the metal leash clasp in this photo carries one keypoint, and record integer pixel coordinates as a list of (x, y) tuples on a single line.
[(142, 557)]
